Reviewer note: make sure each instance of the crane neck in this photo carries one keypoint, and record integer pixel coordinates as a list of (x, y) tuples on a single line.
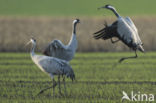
[(115, 12), (33, 49), (74, 28), (73, 41)]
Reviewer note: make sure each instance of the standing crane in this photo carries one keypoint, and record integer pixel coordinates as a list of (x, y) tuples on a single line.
[(52, 66), (123, 29), (66, 52)]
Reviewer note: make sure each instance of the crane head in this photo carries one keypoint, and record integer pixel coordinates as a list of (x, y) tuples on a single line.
[(76, 21), (107, 7), (32, 40)]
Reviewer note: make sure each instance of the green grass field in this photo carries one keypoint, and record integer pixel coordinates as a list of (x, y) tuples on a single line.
[(74, 7), (96, 80)]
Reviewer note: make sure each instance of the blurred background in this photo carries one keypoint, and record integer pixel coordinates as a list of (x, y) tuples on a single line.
[(47, 20)]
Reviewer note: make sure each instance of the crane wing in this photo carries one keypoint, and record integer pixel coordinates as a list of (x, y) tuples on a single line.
[(61, 62), (107, 32), (131, 24), (50, 64), (57, 44), (126, 33), (54, 47)]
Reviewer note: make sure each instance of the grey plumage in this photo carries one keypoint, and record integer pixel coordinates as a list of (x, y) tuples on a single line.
[(124, 29), (52, 66), (66, 52)]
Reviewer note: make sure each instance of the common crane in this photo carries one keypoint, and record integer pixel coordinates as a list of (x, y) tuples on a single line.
[(52, 66), (66, 52), (124, 29)]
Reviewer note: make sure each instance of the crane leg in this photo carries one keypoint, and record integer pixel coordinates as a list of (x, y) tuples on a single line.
[(122, 59), (59, 84), (114, 41), (64, 85), (53, 86)]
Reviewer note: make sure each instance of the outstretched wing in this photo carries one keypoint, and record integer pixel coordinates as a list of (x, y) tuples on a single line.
[(54, 47), (107, 32), (59, 44)]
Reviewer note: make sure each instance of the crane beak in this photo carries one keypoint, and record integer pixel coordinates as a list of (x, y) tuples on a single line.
[(101, 7), (78, 21), (27, 43)]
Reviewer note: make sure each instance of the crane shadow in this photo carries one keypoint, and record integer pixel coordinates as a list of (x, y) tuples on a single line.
[(117, 63), (114, 65), (69, 95), (91, 82), (118, 82), (74, 96)]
